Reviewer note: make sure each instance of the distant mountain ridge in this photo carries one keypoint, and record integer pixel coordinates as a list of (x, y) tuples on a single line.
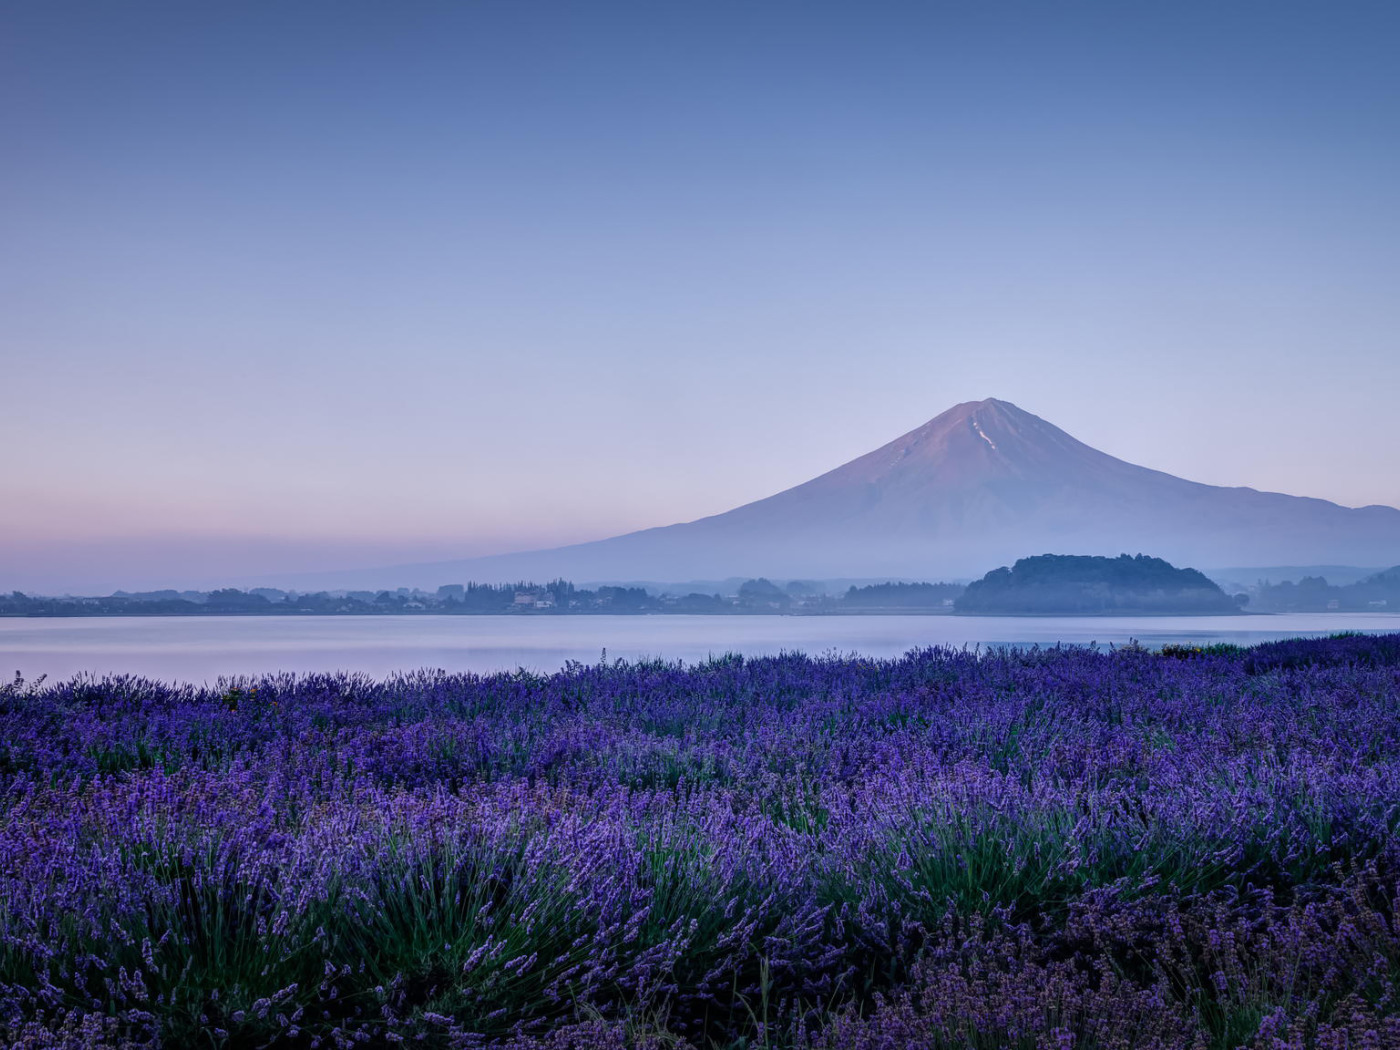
[(978, 486)]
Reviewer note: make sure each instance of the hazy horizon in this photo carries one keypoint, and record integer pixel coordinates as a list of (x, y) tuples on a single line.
[(983, 484), (297, 289)]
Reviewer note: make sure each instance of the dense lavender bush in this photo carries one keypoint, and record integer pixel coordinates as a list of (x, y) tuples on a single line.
[(1045, 848)]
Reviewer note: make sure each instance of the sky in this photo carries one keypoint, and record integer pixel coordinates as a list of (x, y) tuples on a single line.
[(293, 286)]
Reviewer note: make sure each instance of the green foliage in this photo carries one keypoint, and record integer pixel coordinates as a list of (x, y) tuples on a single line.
[(903, 595), (1054, 584), (1379, 592)]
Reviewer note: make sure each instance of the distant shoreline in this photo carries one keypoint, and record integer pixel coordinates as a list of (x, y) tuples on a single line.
[(554, 614)]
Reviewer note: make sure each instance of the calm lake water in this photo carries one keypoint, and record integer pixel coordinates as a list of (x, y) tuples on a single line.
[(198, 649)]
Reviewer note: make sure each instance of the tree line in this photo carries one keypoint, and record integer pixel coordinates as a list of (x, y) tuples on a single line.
[(755, 596), (1379, 592)]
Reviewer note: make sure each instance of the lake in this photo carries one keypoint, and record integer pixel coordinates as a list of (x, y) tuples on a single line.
[(204, 648)]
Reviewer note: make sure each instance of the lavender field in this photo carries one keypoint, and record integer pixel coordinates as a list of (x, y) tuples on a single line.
[(1058, 848)]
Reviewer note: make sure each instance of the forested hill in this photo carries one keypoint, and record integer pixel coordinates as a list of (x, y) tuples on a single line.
[(1054, 584)]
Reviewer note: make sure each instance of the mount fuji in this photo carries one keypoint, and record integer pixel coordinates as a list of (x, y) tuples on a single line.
[(978, 486)]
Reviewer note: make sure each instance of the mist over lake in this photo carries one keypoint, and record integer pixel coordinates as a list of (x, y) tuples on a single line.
[(206, 648)]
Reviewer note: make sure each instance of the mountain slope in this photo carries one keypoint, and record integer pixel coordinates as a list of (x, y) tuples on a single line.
[(978, 486)]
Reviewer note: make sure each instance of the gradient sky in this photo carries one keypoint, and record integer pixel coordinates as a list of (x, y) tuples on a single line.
[(293, 285)]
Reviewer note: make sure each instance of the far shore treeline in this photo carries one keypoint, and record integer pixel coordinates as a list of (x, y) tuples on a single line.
[(559, 597), (1061, 585), (1046, 585)]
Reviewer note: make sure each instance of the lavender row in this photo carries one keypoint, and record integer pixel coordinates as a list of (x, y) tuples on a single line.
[(1063, 847)]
